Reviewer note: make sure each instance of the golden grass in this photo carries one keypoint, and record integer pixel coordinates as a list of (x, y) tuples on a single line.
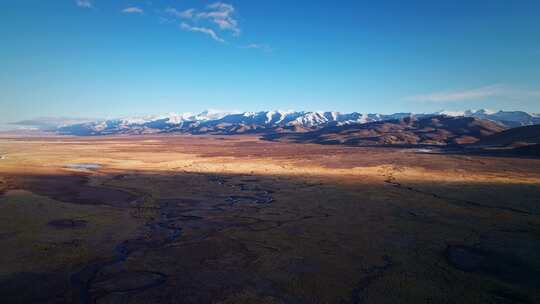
[(345, 222)]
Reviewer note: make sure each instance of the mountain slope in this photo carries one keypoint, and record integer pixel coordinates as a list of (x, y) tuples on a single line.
[(520, 136), (435, 130), (520, 141)]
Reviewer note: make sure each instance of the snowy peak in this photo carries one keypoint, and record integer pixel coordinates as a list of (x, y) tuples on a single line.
[(220, 122), (210, 115), (507, 118)]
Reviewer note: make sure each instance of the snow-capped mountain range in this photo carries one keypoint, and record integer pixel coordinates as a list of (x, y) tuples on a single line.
[(507, 118), (216, 122)]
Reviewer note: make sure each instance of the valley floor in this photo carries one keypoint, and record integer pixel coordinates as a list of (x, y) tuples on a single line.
[(188, 219)]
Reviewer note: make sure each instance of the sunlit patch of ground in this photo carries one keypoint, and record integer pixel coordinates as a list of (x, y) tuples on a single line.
[(206, 220)]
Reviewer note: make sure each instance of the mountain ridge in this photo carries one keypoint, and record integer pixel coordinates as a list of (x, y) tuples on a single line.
[(234, 122), (438, 130)]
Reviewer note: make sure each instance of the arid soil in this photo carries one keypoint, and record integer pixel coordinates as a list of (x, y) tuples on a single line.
[(210, 219)]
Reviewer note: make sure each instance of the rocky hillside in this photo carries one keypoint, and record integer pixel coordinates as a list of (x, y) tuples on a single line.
[(435, 130)]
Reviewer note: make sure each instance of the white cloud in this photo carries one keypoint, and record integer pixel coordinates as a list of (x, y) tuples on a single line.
[(491, 91), (263, 47), (187, 14), (84, 3), (217, 16), (221, 14), (203, 30), (133, 10)]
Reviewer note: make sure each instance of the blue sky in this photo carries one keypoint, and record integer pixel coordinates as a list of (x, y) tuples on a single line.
[(106, 58)]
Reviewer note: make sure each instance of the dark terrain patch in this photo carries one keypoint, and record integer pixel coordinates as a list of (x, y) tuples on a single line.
[(371, 274), (74, 189), (504, 267), (31, 287), (68, 223)]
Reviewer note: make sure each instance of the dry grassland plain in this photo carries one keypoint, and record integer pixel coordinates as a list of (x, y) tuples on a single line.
[(187, 219)]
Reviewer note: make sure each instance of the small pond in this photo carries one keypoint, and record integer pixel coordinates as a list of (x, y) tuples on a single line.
[(84, 166)]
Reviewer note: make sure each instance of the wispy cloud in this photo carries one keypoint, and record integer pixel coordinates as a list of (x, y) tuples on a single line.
[(258, 46), (133, 10), (217, 16), (491, 91), (222, 14), (186, 14), (84, 3), (204, 30), (215, 20)]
